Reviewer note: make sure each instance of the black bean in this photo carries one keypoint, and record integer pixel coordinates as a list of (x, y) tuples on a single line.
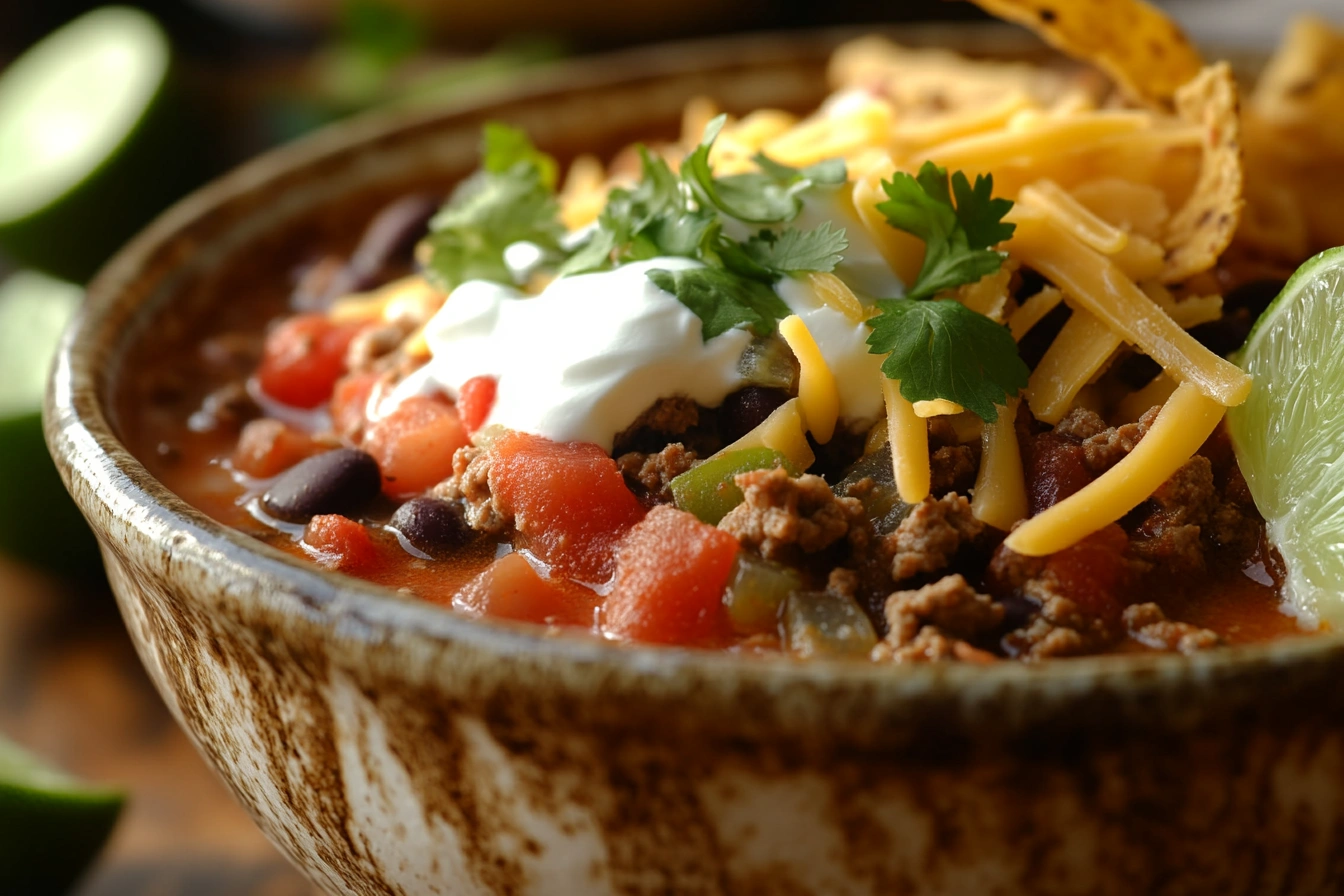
[(342, 481), (747, 408), (391, 234), (433, 526)]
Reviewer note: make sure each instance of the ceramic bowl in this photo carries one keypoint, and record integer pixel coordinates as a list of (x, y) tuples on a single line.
[(390, 746)]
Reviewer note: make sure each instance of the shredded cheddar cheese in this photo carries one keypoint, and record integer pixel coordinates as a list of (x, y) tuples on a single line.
[(1077, 218), (1095, 283), (908, 435), (1081, 349), (938, 407), (1186, 420), (1000, 494), (817, 393)]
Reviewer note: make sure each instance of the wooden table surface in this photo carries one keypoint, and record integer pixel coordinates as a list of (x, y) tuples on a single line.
[(71, 688)]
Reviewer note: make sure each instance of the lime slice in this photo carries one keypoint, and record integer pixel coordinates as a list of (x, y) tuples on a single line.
[(83, 158), (51, 825), (38, 521), (1289, 435)]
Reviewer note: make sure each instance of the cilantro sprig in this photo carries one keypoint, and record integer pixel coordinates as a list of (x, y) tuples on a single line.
[(941, 348), (769, 196), (957, 239), (684, 214), (510, 199), (723, 300)]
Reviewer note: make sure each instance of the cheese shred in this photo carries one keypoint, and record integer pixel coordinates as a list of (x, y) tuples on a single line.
[(1000, 494), (817, 392), (908, 435), (1094, 282), (1185, 422)]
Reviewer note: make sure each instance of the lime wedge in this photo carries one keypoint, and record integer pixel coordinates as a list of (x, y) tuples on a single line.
[(83, 157), (38, 521), (51, 825), (1289, 435)]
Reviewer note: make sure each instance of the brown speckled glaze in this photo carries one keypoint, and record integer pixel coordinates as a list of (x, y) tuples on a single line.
[(388, 746)]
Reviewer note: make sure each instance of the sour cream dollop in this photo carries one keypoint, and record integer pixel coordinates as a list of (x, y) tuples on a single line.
[(581, 360)]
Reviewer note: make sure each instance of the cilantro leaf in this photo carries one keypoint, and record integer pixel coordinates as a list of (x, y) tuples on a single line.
[(956, 239), (723, 300), (505, 147), (758, 197), (793, 251), (508, 200), (649, 219), (980, 215), (826, 173), (942, 349)]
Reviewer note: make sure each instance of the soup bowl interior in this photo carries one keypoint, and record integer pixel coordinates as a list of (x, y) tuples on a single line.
[(389, 746)]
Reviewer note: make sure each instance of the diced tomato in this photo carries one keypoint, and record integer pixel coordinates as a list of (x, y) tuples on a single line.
[(510, 588), (474, 401), (302, 359), (568, 499), (339, 542), (268, 447), (1054, 469), (671, 571), (414, 445), (1094, 572), (349, 399)]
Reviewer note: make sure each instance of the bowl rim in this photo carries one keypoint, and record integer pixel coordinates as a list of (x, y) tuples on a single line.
[(100, 471)]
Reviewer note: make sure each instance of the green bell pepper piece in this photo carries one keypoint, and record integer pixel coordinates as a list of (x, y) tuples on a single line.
[(708, 490)]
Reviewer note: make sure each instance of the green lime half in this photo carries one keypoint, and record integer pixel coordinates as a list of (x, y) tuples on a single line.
[(51, 825), (86, 141), (1289, 435), (38, 520)]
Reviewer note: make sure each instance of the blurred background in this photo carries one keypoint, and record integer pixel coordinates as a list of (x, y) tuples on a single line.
[(106, 117)]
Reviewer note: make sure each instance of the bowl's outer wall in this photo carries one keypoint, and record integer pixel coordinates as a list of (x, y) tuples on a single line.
[(391, 747)]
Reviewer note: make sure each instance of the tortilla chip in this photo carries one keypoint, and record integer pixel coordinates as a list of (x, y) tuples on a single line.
[(1294, 137), (1136, 44), (925, 84), (1301, 91), (1198, 233)]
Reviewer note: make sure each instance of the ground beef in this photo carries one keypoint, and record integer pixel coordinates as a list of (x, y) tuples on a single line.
[(470, 484), (782, 516), (1081, 424), (1234, 522), (930, 646), (653, 472), (843, 582), (1075, 593), (953, 468), (671, 416), (953, 465), (372, 344), (1169, 535), (949, 604), (1060, 628), (931, 535), (1148, 625), (1103, 446)]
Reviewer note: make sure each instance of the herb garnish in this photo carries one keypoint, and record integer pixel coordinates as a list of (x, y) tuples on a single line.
[(723, 300), (667, 214), (937, 349), (511, 199), (768, 196), (942, 349)]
